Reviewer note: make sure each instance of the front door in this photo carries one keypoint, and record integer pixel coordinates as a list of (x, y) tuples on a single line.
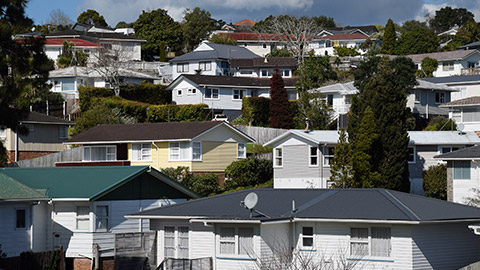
[(176, 242)]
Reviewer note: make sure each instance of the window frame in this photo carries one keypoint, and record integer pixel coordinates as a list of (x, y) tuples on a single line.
[(82, 218), (244, 149), (176, 247), (440, 97), (304, 237), (187, 156), (278, 157), (141, 154), (414, 154), (326, 156), (310, 156), (237, 252), (25, 218), (241, 94), (369, 242), (181, 67), (106, 218), (199, 147), (213, 92), (99, 146), (448, 66), (461, 165), (62, 132), (204, 64)]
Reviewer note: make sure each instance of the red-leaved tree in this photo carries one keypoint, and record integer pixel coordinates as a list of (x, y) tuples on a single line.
[(280, 113)]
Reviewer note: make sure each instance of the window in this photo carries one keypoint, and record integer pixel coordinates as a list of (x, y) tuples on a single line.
[(83, 218), (448, 149), (211, 93), (196, 151), (99, 153), (418, 97), (205, 66), (265, 73), (471, 115), (179, 151), (242, 153), (21, 218), (313, 156), (439, 97), (182, 242), (328, 153), (102, 218), (461, 170), (179, 92), (192, 91), (411, 154), (30, 127), (236, 241), (246, 72), (330, 100), (182, 67), (307, 237), (448, 66), (377, 244), (238, 94), (63, 132), (286, 73), (169, 241), (264, 45), (278, 155), (141, 152)]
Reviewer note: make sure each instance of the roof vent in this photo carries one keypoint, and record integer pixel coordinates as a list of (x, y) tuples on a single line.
[(307, 125), (460, 128)]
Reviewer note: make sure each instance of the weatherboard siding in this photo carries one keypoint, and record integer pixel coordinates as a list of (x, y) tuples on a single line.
[(464, 189), (14, 241), (274, 238), (444, 246), (216, 156), (43, 138), (40, 219)]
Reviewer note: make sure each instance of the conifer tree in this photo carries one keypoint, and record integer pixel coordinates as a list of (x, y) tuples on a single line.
[(341, 168), (389, 38), (280, 113)]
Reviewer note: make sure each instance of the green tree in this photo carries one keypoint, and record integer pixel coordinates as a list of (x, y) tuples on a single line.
[(279, 109), (341, 168), (92, 17), (251, 171), (417, 38), (23, 67), (429, 65), (447, 17), (325, 22), (314, 72), (389, 38), (439, 123), (346, 51), (435, 182), (365, 172), (96, 115), (466, 34), (197, 24), (123, 24), (156, 26), (70, 57), (280, 53), (222, 39)]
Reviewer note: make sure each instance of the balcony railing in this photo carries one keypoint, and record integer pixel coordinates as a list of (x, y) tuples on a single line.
[(471, 71)]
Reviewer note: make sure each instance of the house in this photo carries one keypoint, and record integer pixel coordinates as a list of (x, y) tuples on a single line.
[(367, 30), (334, 228), (85, 207), (209, 59), (223, 94), (425, 100), (467, 85), (45, 136), (66, 81), (466, 112), (302, 159), (451, 63), (263, 67), (260, 44), (203, 147), (54, 47), (325, 45), (463, 174)]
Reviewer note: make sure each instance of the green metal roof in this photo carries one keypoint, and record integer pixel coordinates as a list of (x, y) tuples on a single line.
[(11, 189), (75, 182)]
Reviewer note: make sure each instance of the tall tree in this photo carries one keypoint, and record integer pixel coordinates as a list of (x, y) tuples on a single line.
[(23, 67), (466, 34), (389, 38), (417, 38), (92, 17), (156, 26), (447, 17), (197, 24), (325, 22), (280, 112), (58, 20), (341, 168), (429, 65)]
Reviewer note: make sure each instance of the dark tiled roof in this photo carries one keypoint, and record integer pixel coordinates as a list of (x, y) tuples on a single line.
[(90, 35), (353, 36), (441, 56), (462, 102), (35, 117), (144, 132), (220, 51), (465, 153), (364, 204), (260, 62), (453, 79), (236, 81)]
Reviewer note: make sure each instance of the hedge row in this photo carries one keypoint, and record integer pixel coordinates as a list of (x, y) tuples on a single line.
[(255, 111), (177, 113), (88, 94), (135, 109)]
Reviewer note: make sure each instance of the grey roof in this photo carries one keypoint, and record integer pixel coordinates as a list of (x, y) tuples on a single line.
[(470, 45), (432, 110), (470, 101), (465, 153), (416, 137), (453, 79), (92, 73), (220, 51), (327, 204), (40, 118), (442, 56)]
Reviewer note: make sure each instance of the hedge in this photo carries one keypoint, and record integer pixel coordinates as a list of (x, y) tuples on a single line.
[(177, 113), (251, 171), (147, 92), (255, 111), (135, 109), (87, 94)]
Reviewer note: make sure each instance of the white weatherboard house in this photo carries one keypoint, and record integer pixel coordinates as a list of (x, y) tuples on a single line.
[(333, 228), (77, 207), (302, 159)]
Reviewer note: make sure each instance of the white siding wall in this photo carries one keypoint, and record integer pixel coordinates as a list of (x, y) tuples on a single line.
[(184, 97), (446, 246), (14, 241), (40, 221), (463, 188), (194, 65)]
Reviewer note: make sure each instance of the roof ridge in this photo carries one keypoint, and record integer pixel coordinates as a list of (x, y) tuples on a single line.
[(402, 207), (314, 201)]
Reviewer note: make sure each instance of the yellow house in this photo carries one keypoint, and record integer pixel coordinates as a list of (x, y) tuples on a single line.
[(201, 146)]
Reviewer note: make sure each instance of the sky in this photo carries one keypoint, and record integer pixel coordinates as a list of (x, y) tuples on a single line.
[(344, 12)]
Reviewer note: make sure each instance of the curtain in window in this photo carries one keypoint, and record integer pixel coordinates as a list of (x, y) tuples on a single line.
[(183, 242), (227, 240), (245, 241), (184, 150), (381, 245), (137, 151), (359, 241), (169, 241), (471, 115)]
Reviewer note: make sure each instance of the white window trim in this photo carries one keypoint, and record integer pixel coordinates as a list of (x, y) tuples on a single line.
[(241, 92), (141, 149), (414, 154), (212, 98), (109, 217), (368, 256), (309, 248), (441, 94), (449, 146), (205, 64), (189, 154), (244, 150), (191, 91), (275, 157), (201, 151), (310, 156), (16, 217), (236, 240), (325, 154), (77, 217), (97, 146)]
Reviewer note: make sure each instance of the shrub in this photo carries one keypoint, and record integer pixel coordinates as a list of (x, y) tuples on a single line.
[(440, 123), (204, 184), (435, 181), (98, 114), (248, 172), (177, 113), (135, 109), (254, 111), (87, 94), (154, 94)]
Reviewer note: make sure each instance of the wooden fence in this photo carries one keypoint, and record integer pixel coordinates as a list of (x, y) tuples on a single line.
[(51, 260), (261, 134)]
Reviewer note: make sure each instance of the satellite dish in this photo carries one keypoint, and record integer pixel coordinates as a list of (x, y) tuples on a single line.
[(250, 200), (460, 127)]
